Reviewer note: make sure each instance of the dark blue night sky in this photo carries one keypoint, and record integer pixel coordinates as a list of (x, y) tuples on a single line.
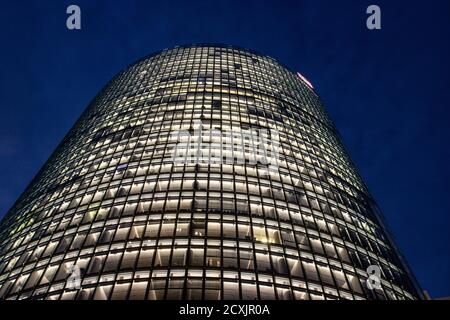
[(388, 91)]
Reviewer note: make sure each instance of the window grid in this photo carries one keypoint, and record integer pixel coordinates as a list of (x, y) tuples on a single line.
[(111, 201)]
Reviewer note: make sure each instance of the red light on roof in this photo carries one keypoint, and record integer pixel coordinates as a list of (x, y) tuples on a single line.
[(309, 84)]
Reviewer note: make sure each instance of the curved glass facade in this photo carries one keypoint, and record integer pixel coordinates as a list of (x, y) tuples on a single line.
[(200, 172)]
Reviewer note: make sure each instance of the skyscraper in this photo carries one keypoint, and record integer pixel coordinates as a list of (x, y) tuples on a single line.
[(201, 172)]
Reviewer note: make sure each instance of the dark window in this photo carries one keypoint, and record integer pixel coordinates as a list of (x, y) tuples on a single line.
[(217, 104), (159, 92), (201, 80)]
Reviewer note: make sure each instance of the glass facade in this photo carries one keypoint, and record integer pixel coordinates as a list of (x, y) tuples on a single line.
[(113, 204)]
